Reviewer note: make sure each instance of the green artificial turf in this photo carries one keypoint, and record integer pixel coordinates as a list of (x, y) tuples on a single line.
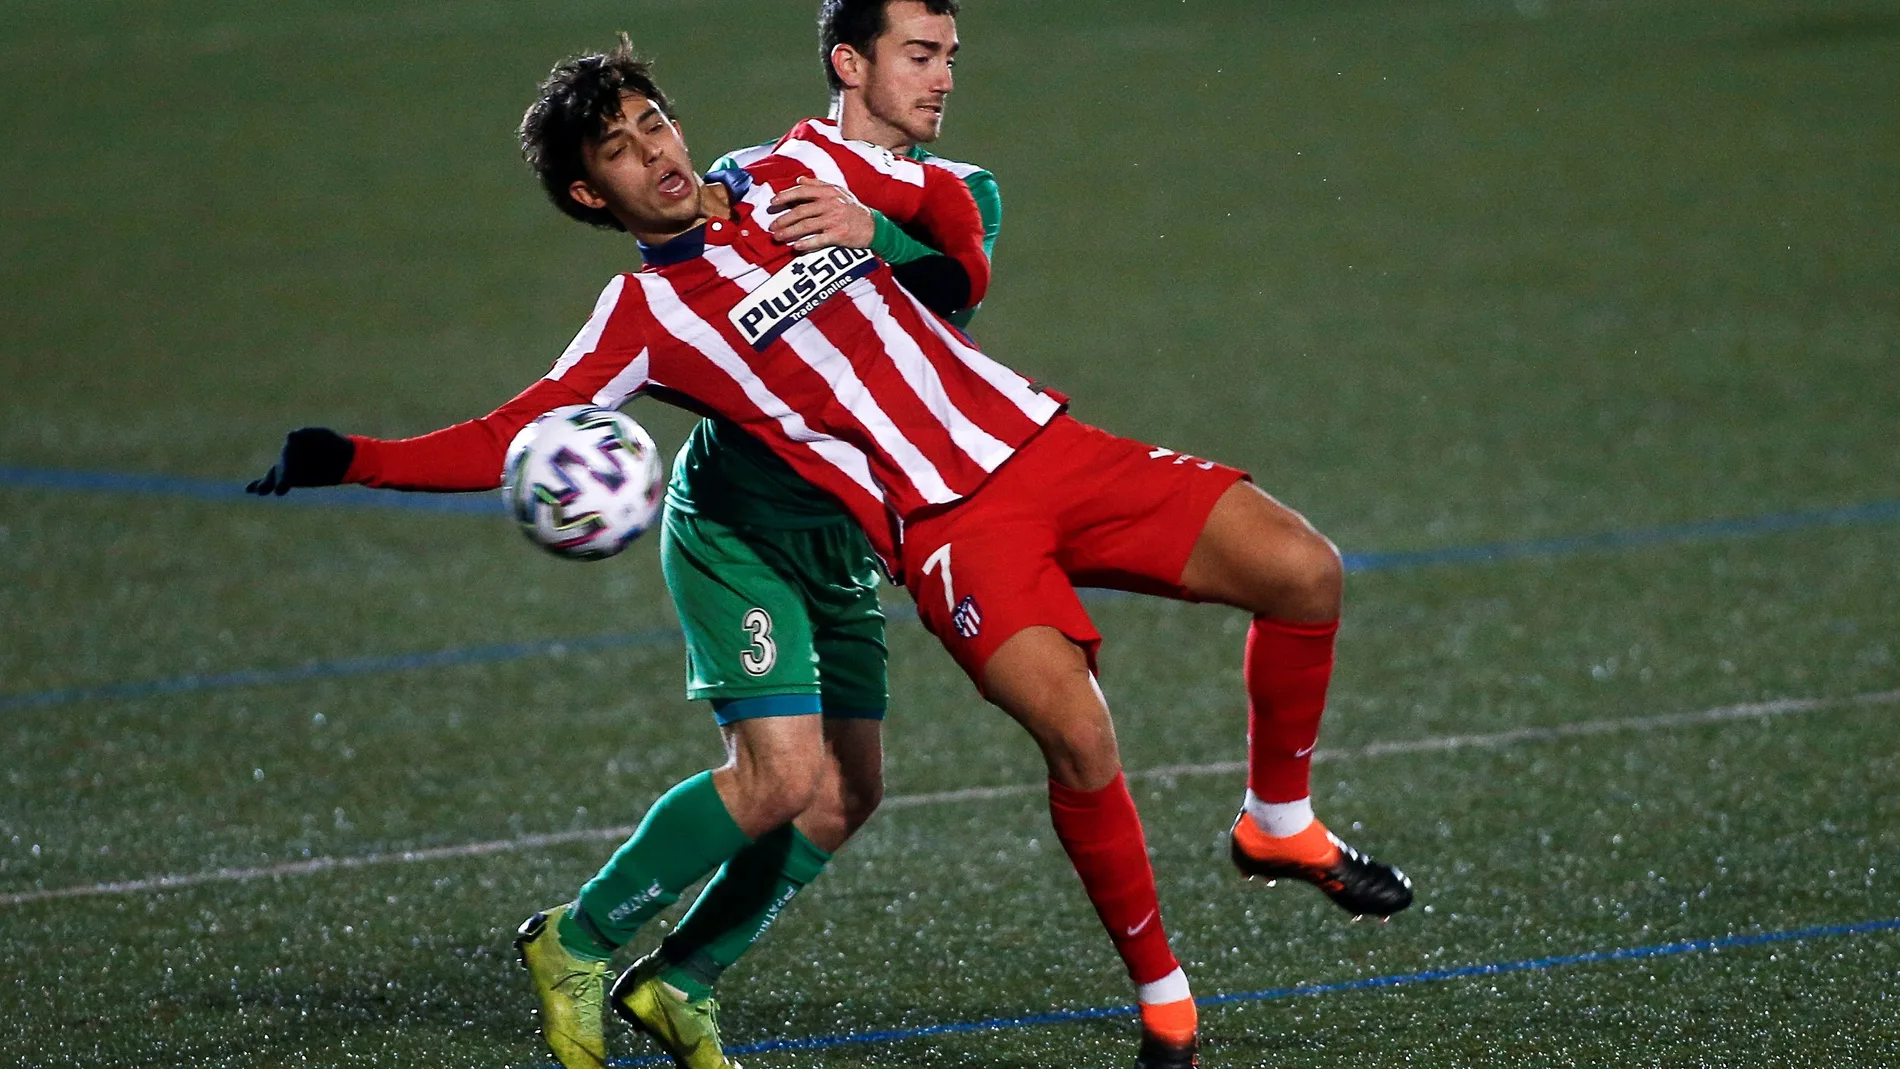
[(1438, 273)]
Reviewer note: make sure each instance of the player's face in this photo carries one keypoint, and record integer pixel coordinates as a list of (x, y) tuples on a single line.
[(639, 171), (907, 76)]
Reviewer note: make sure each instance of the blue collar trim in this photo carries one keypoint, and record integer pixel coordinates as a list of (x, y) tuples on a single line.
[(692, 244)]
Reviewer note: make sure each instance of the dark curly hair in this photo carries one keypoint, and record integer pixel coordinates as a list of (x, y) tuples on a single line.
[(859, 23), (579, 97)]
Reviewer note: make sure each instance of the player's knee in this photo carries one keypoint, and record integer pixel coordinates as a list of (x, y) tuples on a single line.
[(843, 803), (1317, 578), (781, 790), (1297, 575), (857, 801), (1075, 735), (835, 818), (1081, 754), (1041, 678)]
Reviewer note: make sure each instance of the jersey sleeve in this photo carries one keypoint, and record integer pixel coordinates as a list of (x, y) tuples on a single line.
[(906, 191), (949, 214), (604, 365), (989, 205)]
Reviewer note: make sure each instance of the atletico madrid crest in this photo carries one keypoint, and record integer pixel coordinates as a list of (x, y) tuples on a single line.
[(968, 619)]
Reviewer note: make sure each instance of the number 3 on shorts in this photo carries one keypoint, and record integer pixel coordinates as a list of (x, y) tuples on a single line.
[(941, 559), (764, 652)]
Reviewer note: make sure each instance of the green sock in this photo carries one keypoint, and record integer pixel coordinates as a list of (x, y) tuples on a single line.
[(686, 834), (737, 906)]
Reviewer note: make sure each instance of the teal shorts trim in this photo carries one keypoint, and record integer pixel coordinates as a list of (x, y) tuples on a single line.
[(731, 711)]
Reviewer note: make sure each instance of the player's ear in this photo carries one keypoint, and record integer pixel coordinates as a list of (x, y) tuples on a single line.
[(585, 196), (849, 63)]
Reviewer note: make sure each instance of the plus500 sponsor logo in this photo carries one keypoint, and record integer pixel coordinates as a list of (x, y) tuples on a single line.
[(797, 288)]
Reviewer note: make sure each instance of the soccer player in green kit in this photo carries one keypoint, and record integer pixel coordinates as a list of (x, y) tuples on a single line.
[(776, 589)]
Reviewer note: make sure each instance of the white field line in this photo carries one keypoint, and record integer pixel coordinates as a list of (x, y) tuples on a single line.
[(1429, 744)]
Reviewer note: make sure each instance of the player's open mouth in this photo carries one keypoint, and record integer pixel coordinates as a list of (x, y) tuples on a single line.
[(674, 185)]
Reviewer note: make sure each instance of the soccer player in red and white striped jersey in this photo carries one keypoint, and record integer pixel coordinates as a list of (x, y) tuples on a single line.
[(981, 494), (821, 354)]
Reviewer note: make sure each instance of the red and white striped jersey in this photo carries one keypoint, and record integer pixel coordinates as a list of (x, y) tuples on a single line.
[(823, 357)]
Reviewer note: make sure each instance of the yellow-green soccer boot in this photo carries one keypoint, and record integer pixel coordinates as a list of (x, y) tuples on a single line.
[(572, 992), (687, 1030)]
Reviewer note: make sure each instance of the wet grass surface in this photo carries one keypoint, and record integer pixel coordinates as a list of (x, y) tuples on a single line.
[(1438, 273)]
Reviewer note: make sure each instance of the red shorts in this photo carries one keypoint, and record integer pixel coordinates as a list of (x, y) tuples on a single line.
[(1076, 506)]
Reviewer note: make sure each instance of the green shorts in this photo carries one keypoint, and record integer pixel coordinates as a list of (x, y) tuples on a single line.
[(777, 622)]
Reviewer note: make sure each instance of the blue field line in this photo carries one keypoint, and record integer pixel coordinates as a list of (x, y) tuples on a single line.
[(1635, 538), (1873, 512), (1371, 983), (483, 504)]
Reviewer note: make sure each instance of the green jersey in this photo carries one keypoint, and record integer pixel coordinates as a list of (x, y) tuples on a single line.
[(722, 472)]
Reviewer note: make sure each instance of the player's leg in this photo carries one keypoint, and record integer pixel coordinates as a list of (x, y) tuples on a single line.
[(752, 890), (1258, 555), (825, 786), (740, 810), (774, 770), (749, 651), (839, 578), (1043, 680), (1156, 521), (774, 762), (692, 829), (987, 585)]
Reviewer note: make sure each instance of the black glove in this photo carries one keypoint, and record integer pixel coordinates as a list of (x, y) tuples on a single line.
[(312, 456)]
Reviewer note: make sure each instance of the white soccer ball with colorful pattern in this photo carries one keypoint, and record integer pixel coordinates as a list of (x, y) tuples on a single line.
[(582, 482)]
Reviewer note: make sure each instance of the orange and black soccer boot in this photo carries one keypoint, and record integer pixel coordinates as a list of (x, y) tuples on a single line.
[(1356, 883)]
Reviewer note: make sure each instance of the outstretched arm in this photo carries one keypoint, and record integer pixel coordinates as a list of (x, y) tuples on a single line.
[(466, 456), (605, 364)]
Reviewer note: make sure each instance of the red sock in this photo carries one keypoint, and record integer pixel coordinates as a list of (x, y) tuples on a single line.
[(1102, 833), (1287, 668)]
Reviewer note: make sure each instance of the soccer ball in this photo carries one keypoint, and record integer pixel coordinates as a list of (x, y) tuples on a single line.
[(582, 482)]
